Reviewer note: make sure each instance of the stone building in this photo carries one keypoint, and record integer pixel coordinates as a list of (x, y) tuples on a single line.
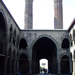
[(23, 49), (72, 44)]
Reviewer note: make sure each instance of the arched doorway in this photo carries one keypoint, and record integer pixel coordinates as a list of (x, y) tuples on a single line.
[(65, 65), (2, 64), (12, 66), (23, 64), (14, 62), (44, 48), (8, 62), (8, 66)]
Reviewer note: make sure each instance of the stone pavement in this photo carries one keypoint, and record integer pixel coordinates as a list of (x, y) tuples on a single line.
[(44, 74), (39, 74)]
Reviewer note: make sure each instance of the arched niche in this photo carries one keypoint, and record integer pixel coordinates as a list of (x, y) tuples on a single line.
[(9, 52), (14, 36), (71, 37), (44, 47), (73, 34), (15, 33), (17, 40), (11, 33), (65, 65), (23, 44), (14, 54), (9, 61), (65, 43), (74, 54), (23, 64)]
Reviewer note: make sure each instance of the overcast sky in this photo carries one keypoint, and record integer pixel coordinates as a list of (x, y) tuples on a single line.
[(43, 13)]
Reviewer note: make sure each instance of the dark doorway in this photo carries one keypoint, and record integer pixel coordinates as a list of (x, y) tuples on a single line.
[(44, 48), (2, 64), (23, 64), (8, 66), (65, 65)]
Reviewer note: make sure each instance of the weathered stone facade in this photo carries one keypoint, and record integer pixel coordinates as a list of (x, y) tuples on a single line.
[(22, 49), (72, 44)]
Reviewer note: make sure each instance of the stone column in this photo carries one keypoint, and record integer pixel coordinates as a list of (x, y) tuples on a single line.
[(12, 37), (59, 60), (71, 65), (5, 65), (17, 65), (10, 66), (30, 70), (14, 66), (59, 67), (14, 63)]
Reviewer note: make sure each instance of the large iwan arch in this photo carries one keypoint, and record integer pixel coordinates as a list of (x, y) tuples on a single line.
[(44, 47), (3, 40)]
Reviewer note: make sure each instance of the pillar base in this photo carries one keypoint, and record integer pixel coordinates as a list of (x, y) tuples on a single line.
[(17, 73), (71, 74)]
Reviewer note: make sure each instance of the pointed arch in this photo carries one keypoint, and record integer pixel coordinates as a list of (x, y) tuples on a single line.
[(65, 65), (44, 47), (10, 52), (3, 39), (18, 40), (11, 33), (15, 33), (44, 35), (3, 33), (23, 64), (23, 44), (14, 37), (14, 54), (65, 43)]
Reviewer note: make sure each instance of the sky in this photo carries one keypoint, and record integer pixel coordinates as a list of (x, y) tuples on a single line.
[(43, 13)]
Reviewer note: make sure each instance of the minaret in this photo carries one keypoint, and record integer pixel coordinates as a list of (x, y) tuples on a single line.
[(58, 14), (28, 14)]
